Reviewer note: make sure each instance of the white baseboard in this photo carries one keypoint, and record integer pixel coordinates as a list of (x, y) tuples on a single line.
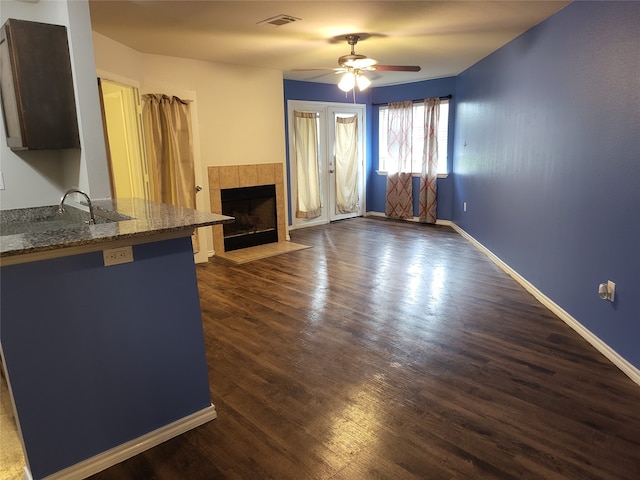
[(138, 445), (412, 219), (614, 357), (374, 214)]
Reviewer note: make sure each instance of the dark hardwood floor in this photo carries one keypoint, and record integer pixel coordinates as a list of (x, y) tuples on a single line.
[(394, 351)]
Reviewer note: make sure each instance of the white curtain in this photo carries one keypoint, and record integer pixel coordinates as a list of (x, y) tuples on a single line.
[(399, 194), (347, 199), (308, 204), (429, 174)]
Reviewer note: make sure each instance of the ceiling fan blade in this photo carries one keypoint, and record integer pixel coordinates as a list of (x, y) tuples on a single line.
[(396, 68)]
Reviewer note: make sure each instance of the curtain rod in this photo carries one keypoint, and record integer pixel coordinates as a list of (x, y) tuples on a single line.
[(446, 97), (168, 97)]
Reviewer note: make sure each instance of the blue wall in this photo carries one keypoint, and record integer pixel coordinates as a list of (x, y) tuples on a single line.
[(547, 147), (545, 154)]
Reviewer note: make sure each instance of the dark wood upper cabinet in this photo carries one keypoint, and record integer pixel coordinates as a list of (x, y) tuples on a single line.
[(36, 84)]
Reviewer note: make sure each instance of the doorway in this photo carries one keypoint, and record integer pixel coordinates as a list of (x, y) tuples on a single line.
[(326, 175), (126, 153), (123, 124)]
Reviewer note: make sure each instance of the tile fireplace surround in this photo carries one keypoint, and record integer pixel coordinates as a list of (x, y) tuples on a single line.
[(236, 176)]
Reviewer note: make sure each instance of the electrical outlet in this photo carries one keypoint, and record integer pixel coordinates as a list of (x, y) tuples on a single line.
[(116, 256)]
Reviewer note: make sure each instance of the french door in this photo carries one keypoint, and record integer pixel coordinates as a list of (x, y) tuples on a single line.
[(326, 161)]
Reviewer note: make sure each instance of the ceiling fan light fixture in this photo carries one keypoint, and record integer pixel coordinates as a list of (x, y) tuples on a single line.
[(363, 82), (347, 82), (353, 66)]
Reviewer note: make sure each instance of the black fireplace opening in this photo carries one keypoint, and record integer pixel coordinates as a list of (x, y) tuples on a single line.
[(254, 209)]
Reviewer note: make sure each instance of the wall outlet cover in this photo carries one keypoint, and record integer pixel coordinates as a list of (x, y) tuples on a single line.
[(117, 256)]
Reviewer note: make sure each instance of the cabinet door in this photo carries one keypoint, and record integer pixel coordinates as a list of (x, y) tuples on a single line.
[(38, 100)]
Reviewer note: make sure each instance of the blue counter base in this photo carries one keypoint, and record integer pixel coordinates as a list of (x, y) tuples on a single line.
[(130, 449), (97, 356)]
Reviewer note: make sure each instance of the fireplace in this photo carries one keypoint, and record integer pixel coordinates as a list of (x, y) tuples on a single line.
[(254, 209), (228, 177)]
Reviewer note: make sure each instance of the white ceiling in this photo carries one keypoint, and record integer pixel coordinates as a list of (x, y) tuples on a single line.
[(442, 37)]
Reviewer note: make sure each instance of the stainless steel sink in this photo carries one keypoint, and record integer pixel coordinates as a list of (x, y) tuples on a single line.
[(104, 216)]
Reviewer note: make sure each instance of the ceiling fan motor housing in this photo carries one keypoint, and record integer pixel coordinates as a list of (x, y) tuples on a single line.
[(351, 60)]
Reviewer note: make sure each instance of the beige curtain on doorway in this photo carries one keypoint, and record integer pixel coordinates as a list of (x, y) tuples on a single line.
[(167, 129), (347, 199), (308, 201)]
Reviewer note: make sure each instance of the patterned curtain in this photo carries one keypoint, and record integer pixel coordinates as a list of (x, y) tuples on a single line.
[(399, 197), (429, 174)]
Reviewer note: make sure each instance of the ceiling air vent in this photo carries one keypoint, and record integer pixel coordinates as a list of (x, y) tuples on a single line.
[(279, 20)]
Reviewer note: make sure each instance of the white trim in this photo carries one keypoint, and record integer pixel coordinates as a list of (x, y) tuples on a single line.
[(325, 112), (138, 445), (614, 357)]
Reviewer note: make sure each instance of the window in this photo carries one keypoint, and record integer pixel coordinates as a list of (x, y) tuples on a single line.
[(418, 137)]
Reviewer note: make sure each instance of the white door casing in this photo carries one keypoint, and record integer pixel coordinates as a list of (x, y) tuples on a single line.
[(326, 114)]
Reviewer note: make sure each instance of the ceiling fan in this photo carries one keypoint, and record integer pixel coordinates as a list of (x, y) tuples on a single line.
[(353, 65), (362, 62)]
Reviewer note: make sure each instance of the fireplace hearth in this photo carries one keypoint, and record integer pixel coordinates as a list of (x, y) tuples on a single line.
[(254, 209)]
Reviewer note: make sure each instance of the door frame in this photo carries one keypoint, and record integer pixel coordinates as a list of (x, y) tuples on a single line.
[(326, 140), (131, 116), (205, 236)]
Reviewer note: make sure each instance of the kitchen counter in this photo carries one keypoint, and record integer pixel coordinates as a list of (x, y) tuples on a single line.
[(139, 220), (102, 361)]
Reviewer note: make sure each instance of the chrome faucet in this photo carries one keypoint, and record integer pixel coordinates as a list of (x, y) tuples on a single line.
[(92, 218)]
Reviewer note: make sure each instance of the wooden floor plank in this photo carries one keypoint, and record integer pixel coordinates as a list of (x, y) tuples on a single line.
[(392, 350)]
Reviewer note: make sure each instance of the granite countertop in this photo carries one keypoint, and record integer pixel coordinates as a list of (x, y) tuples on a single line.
[(137, 218)]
